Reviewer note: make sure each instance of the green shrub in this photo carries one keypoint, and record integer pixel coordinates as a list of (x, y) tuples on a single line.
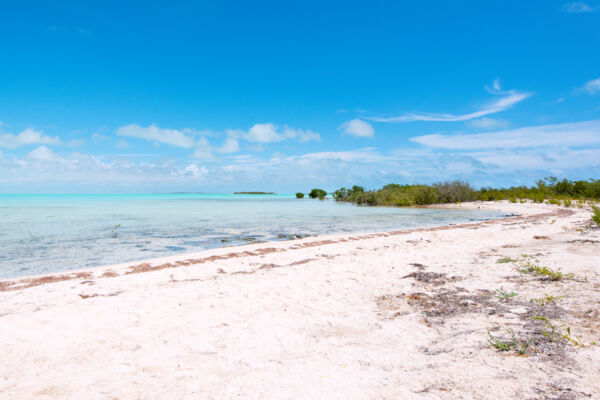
[(596, 215), (549, 190), (317, 194), (299, 195)]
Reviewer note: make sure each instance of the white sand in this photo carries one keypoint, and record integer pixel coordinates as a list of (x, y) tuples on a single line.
[(326, 317)]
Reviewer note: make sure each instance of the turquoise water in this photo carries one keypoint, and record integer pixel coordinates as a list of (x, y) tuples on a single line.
[(50, 233)]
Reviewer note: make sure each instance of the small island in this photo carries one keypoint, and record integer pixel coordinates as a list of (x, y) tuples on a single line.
[(253, 192)]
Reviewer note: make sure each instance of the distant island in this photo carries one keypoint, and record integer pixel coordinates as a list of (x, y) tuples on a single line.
[(253, 192)]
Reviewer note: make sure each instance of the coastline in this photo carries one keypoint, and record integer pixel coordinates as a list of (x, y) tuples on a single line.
[(327, 315), (6, 283)]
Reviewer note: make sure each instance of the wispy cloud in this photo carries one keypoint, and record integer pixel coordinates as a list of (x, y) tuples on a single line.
[(368, 154), (26, 137), (153, 133), (487, 123), (570, 134), (578, 7), (358, 128), (592, 87), (509, 99)]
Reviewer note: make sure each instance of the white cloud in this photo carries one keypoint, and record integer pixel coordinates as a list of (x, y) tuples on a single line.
[(509, 99), (268, 133), (570, 134), (487, 123), (194, 171), (230, 145), (203, 150), (42, 170), (43, 153), (301, 134), (577, 7), (154, 133), (26, 137), (592, 87), (358, 128), (539, 159), (263, 133)]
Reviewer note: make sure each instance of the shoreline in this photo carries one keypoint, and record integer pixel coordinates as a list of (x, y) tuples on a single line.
[(9, 284), (200, 253), (401, 314)]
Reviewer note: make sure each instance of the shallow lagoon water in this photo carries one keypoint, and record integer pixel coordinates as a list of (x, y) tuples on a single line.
[(50, 233)]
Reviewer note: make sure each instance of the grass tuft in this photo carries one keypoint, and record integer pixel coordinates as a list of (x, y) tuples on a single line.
[(512, 344)]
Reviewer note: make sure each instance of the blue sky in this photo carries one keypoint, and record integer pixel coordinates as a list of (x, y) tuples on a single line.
[(219, 96)]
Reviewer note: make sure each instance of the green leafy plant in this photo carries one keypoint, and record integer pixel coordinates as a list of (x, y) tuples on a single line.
[(506, 260), (546, 299), (596, 215), (299, 195), (553, 334), (502, 295), (512, 344), (528, 265)]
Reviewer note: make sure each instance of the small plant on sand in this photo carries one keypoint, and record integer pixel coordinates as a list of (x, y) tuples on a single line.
[(596, 215), (512, 344), (502, 295), (299, 195), (528, 265), (506, 260), (115, 231), (546, 299), (554, 335)]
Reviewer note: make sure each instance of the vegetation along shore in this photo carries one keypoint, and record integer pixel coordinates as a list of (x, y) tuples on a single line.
[(549, 190)]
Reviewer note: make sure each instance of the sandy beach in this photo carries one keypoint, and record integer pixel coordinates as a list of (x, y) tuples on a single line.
[(397, 315)]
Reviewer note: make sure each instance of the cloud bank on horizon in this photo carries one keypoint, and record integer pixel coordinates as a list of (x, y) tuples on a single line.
[(116, 124)]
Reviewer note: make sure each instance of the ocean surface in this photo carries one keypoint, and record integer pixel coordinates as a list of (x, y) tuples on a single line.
[(51, 233)]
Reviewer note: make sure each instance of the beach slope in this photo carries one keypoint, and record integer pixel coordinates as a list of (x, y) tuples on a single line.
[(407, 314)]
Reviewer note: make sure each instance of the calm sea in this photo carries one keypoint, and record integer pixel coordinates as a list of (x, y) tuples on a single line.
[(50, 233)]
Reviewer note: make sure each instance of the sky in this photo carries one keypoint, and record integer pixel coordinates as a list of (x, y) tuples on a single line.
[(221, 96)]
